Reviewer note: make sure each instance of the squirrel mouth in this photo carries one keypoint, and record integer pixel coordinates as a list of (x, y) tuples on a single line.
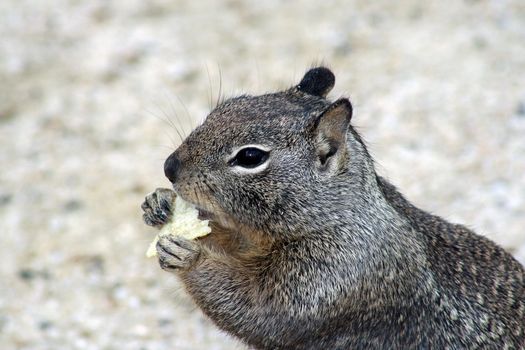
[(204, 214)]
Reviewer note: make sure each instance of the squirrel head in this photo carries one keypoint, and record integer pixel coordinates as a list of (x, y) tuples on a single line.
[(270, 163)]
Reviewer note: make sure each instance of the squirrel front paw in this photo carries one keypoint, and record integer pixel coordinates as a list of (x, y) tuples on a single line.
[(176, 252), (157, 207)]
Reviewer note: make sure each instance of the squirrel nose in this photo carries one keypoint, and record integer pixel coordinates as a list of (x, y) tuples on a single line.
[(172, 167)]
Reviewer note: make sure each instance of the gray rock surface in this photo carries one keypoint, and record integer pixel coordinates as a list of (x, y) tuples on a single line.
[(91, 95)]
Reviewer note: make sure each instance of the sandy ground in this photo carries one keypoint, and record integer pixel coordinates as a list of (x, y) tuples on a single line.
[(88, 91)]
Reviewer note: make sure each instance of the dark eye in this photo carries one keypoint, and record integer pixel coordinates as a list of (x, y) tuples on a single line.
[(249, 157)]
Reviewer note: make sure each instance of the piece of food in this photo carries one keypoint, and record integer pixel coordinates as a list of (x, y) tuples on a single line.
[(184, 222)]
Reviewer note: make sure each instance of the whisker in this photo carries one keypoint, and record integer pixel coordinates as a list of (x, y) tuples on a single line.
[(212, 190), (196, 194), (210, 90), (187, 113), (173, 111), (177, 119), (168, 122), (152, 114), (219, 95), (166, 147)]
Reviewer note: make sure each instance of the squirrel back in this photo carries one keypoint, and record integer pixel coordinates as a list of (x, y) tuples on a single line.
[(311, 249), (485, 285)]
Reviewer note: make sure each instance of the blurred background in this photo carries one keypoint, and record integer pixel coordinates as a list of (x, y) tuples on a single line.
[(90, 90)]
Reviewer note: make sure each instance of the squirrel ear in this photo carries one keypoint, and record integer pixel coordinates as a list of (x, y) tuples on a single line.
[(330, 130), (317, 81), (333, 122)]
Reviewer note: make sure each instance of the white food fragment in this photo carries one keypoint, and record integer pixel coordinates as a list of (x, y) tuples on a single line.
[(184, 222)]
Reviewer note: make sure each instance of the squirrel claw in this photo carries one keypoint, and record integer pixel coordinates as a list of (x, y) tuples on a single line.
[(157, 207), (176, 252)]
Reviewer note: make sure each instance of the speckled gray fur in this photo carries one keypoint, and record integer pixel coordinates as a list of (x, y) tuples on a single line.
[(305, 255)]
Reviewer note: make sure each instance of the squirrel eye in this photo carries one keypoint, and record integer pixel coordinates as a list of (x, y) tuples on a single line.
[(249, 157)]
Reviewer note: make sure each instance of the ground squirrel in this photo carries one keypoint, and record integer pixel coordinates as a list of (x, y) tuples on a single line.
[(311, 249)]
